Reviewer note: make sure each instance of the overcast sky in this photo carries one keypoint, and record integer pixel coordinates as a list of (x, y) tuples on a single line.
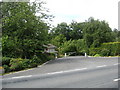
[(81, 10)]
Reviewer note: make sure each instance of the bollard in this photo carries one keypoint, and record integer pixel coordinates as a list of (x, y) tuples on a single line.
[(65, 55), (85, 55)]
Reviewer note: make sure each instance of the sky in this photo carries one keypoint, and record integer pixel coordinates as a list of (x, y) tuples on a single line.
[(81, 10)]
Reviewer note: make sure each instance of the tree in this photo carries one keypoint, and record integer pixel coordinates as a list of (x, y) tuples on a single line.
[(22, 29), (68, 46), (62, 28), (58, 40), (96, 32), (76, 30), (116, 35)]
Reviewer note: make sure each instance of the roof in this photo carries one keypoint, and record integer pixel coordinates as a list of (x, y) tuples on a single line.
[(49, 46)]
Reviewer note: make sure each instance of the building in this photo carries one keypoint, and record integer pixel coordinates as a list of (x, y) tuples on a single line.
[(50, 48)]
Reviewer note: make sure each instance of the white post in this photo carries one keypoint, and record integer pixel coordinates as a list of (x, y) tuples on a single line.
[(85, 55), (56, 55), (65, 55)]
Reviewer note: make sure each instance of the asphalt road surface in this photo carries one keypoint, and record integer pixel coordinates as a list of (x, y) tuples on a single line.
[(69, 72)]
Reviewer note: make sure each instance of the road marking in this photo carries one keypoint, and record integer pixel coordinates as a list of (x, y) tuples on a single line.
[(101, 66), (115, 80), (67, 71), (22, 76), (116, 64), (50, 73)]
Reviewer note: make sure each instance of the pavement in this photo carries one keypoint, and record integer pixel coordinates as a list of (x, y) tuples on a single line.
[(68, 72)]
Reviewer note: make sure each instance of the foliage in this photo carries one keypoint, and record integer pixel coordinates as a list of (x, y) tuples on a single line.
[(91, 34), (63, 29), (96, 32), (80, 46), (94, 51), (23, 32), (6, 61), (16, 64), (58, 40), (111, 49), (68, 46), (96, 55), (6, 68), (76, 46), (76, 30), (106, 49)]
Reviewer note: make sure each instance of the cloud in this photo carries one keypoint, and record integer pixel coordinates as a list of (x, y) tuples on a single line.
[(81, 10)]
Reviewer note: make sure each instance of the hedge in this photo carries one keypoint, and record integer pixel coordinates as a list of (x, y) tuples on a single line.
[(111, 49), (17, 64), (106, 49)]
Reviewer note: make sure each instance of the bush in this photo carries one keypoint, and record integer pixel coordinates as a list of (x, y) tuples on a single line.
[(51, 56), (94, 51), (36, 59), (97, 55), (106, 49), (26, 63), (20, 64), (33, 65), (68, 46), (46, 57), (6, 61), (105, 52), (6, 68), (16, 64), (111, 48)]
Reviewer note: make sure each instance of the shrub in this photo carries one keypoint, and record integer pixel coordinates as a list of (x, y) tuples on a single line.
[(6, 61), (97, 55), (105, 52), (16, 64), (33, 65), (106, 49), (51, 56), (26, 63), (6, 68), (94, 51), (46, 57), (111, 48), (36, 59)]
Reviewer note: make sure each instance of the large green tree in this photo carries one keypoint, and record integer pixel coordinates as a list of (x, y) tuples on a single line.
[(62, 28), (96, 32), (24, 33)]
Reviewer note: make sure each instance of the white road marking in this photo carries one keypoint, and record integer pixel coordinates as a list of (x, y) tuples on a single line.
[(22, 76), (67, 71), (115, 64), (101, 66), (49, 73), (115, 80), (64, 71)]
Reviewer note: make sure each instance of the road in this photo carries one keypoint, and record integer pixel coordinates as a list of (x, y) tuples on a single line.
[(69, 72)]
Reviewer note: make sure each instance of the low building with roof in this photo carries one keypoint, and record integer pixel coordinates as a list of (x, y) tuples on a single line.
[(49, 48)]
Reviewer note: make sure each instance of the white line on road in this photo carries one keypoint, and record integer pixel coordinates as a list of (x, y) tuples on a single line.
[(116, 63), (101, 66), (67, 71), (22, 76), (115, 80), (79, 69), (50, 73)]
